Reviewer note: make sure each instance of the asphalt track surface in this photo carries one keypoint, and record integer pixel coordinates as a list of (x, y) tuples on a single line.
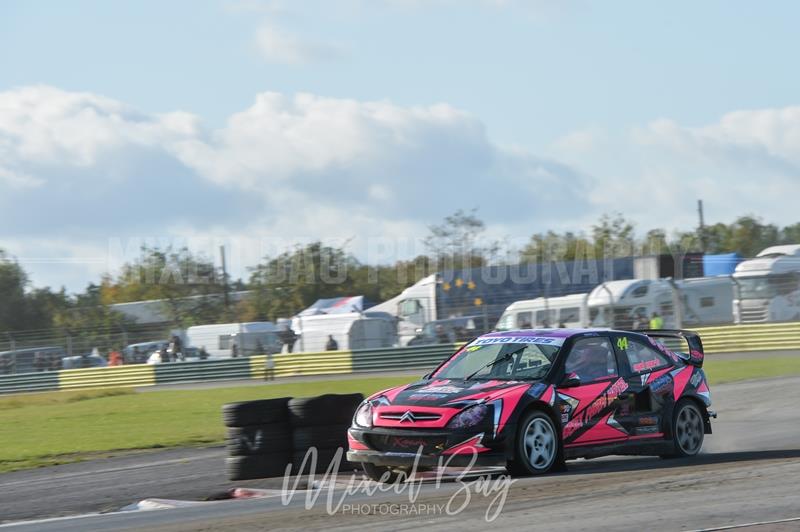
[(749, 473)]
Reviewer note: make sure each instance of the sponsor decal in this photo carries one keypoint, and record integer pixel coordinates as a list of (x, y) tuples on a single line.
[(622, 343), (445, 390), (537, 389), (427, 396), (646, 430), (648, 421), (647, 364), (564, 418), (662, 384), (519, 340), (402, 441), (597, 406), (696, 379)]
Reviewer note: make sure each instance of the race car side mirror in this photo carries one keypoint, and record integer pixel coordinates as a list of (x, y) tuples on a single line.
[(570, 381)]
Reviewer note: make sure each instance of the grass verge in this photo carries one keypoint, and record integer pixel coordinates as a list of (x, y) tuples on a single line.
[(59, 427)]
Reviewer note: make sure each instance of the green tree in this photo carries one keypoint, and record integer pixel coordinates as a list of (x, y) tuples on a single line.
[(191, 287)]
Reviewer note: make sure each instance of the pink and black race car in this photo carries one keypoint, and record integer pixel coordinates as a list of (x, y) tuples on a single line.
[(531, 399)]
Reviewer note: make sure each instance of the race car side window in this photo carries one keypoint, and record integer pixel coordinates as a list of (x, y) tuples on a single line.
[(592, 359), (641, 358)]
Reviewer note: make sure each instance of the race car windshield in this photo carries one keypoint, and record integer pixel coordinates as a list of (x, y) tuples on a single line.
[(501, 361)]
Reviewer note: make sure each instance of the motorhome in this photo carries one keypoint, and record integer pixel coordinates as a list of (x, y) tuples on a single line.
[(631, 303), (767, 287), (569, 311), (225, 340), (350, 330)]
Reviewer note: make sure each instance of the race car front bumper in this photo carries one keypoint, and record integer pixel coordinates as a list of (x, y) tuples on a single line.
[(406, 447)]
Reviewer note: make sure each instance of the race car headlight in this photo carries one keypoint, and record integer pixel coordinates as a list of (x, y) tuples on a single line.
[(469, 417), (363, 417)]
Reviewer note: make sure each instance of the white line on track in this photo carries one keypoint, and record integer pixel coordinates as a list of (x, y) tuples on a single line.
[(744, 525)]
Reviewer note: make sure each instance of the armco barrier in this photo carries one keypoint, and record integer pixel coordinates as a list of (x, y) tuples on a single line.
[(205, 370), (750, 338), (725, 339), (29, 382), (297, 364), (109, 377), (404, 358)]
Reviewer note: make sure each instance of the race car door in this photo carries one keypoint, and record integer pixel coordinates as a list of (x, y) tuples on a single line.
[(589, 394), (646, 372)]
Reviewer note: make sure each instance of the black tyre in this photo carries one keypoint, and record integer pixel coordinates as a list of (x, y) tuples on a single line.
[(259, 439), (329, 409), (537, 448), (261, 412), (688, 430), (263, 466), (324, 459), (321, 436)]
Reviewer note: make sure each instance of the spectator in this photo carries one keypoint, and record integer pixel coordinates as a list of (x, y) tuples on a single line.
[(6, 364), (38, 361), (562, 325), (55, 363), (288, 337), (656, 321), (332, 345), (115, 358), (176, 347), (640, 321), (269, 367), (202, 353), (234, 349)]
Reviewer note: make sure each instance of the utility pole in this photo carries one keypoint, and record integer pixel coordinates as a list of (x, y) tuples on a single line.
[(224, 277), (702, 229)]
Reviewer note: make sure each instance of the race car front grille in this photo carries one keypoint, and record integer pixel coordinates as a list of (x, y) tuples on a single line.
[(406, 444), (410, 416)]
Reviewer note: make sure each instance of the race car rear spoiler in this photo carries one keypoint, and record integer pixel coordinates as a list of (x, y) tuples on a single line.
[(695, 355)]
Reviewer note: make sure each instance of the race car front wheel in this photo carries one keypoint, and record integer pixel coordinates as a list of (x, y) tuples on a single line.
[(538, 448), (687, 429)]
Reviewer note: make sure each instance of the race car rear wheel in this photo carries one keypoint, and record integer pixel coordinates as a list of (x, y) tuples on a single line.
[(383, 474), (687, 429), (538, 447)]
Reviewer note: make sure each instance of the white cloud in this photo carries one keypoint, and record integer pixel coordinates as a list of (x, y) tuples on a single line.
[(78, 170), (304, 167), (279, 46)]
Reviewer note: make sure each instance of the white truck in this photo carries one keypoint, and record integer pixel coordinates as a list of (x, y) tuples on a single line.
[(225, 340), (623, 304), (768, 286), (569, 311), (414, 307), (350, 330)]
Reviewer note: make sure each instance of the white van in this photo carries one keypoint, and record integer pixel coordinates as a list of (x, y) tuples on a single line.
[(225, 340), (569, 311)]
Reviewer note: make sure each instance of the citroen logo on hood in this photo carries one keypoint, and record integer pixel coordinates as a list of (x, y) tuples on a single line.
[(408, 416)]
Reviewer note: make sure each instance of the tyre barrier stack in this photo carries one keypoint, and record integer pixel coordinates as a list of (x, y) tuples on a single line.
[(264, 436), (321, 422)]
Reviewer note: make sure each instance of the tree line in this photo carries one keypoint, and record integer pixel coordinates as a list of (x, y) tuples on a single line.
[(284, 284)]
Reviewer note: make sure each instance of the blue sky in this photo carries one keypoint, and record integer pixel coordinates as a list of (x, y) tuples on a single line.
[(591, 106)]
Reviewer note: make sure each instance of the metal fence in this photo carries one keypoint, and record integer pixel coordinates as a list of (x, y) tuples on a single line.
[(725, 339)]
